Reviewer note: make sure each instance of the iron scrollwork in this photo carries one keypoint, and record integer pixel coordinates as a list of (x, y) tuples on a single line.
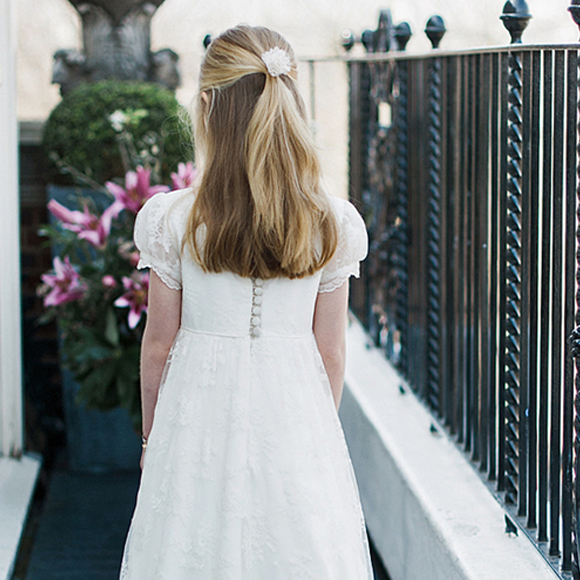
[(385, 196)]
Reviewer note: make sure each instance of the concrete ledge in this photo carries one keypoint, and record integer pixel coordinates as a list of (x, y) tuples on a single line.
[(17, 482), (428, 513)]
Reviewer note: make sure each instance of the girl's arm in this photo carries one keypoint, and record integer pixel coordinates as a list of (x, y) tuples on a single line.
[(330, 316), (163, 321)]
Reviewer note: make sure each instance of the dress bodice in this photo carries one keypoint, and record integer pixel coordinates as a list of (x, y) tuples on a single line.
[(227, 304)]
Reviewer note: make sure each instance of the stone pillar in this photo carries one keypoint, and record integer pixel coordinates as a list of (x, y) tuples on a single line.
[(11, 435), (116, 45)]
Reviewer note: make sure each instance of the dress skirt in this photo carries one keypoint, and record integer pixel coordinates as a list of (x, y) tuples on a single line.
[(247, 474)]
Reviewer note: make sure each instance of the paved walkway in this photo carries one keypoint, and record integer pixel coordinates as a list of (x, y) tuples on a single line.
[(82, 526)]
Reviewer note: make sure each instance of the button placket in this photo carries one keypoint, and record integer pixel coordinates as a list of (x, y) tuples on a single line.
[(256, 317)]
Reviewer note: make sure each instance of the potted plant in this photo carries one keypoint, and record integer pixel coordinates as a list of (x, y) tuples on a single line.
[(99, 300), (94, 291)]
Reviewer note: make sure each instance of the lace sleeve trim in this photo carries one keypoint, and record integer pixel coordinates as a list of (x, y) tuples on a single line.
[(155, 241), (146, 261), (351, 248), (339, 278)]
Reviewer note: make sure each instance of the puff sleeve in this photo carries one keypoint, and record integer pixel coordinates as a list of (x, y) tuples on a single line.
[(158, 246), (352, 247)]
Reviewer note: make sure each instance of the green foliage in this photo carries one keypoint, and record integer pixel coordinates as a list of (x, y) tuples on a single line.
[(80, 138), (105, 363), (99, 345)]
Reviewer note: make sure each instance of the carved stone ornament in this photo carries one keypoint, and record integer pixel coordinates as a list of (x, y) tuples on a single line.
[(117, 45)]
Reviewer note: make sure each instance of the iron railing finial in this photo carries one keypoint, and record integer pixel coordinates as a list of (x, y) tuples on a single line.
[(402, 35), (574, 10), (515, 18), (367, 39), (435, 30), (347, 40)]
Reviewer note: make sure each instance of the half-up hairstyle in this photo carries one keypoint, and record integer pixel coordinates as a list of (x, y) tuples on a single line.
[(259, 205)]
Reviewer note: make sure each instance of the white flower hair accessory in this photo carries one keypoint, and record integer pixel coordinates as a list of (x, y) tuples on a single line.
[(277, 61)]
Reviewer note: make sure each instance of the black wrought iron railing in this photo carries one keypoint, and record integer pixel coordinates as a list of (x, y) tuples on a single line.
[(464, 165)]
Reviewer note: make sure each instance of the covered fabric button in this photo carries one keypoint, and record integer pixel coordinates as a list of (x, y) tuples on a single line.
[(255, 319)]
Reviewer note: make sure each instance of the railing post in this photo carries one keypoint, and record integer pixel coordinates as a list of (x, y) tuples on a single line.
[(435, 30), (515, 18), (402, 219), (575, 341)]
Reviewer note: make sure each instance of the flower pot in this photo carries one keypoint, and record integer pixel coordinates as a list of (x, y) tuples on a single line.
[(97, 440)]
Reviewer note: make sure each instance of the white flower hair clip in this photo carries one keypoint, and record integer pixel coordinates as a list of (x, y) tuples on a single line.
[(277, 61)]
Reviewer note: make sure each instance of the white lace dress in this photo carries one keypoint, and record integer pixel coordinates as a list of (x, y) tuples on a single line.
[(247, 474)]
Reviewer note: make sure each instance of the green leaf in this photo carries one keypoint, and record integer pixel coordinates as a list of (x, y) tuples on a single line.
[(111, 328), (97, 389)]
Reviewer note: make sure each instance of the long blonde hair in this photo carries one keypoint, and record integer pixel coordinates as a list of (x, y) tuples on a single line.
[(260, 204)]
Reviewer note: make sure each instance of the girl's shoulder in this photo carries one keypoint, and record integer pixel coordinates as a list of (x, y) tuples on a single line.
[(158, 230), (347, 216), (166, 202), (170, 208), (164, 216)]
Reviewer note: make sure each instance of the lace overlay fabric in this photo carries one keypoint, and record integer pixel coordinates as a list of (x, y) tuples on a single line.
[(158, 236), (247, 474), (352, 247)]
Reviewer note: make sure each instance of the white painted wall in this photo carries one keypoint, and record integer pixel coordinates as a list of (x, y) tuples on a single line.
[(18, 473), (10, 342), (428, 512)]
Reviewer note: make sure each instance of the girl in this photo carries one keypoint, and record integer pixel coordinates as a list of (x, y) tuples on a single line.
[(246, 474)]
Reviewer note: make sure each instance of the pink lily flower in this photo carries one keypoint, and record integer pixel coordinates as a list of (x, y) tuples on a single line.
[(109, 281), (137, 189), (135, 297), (65, 284), (185, 176), (86, 225), (134, 258)]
